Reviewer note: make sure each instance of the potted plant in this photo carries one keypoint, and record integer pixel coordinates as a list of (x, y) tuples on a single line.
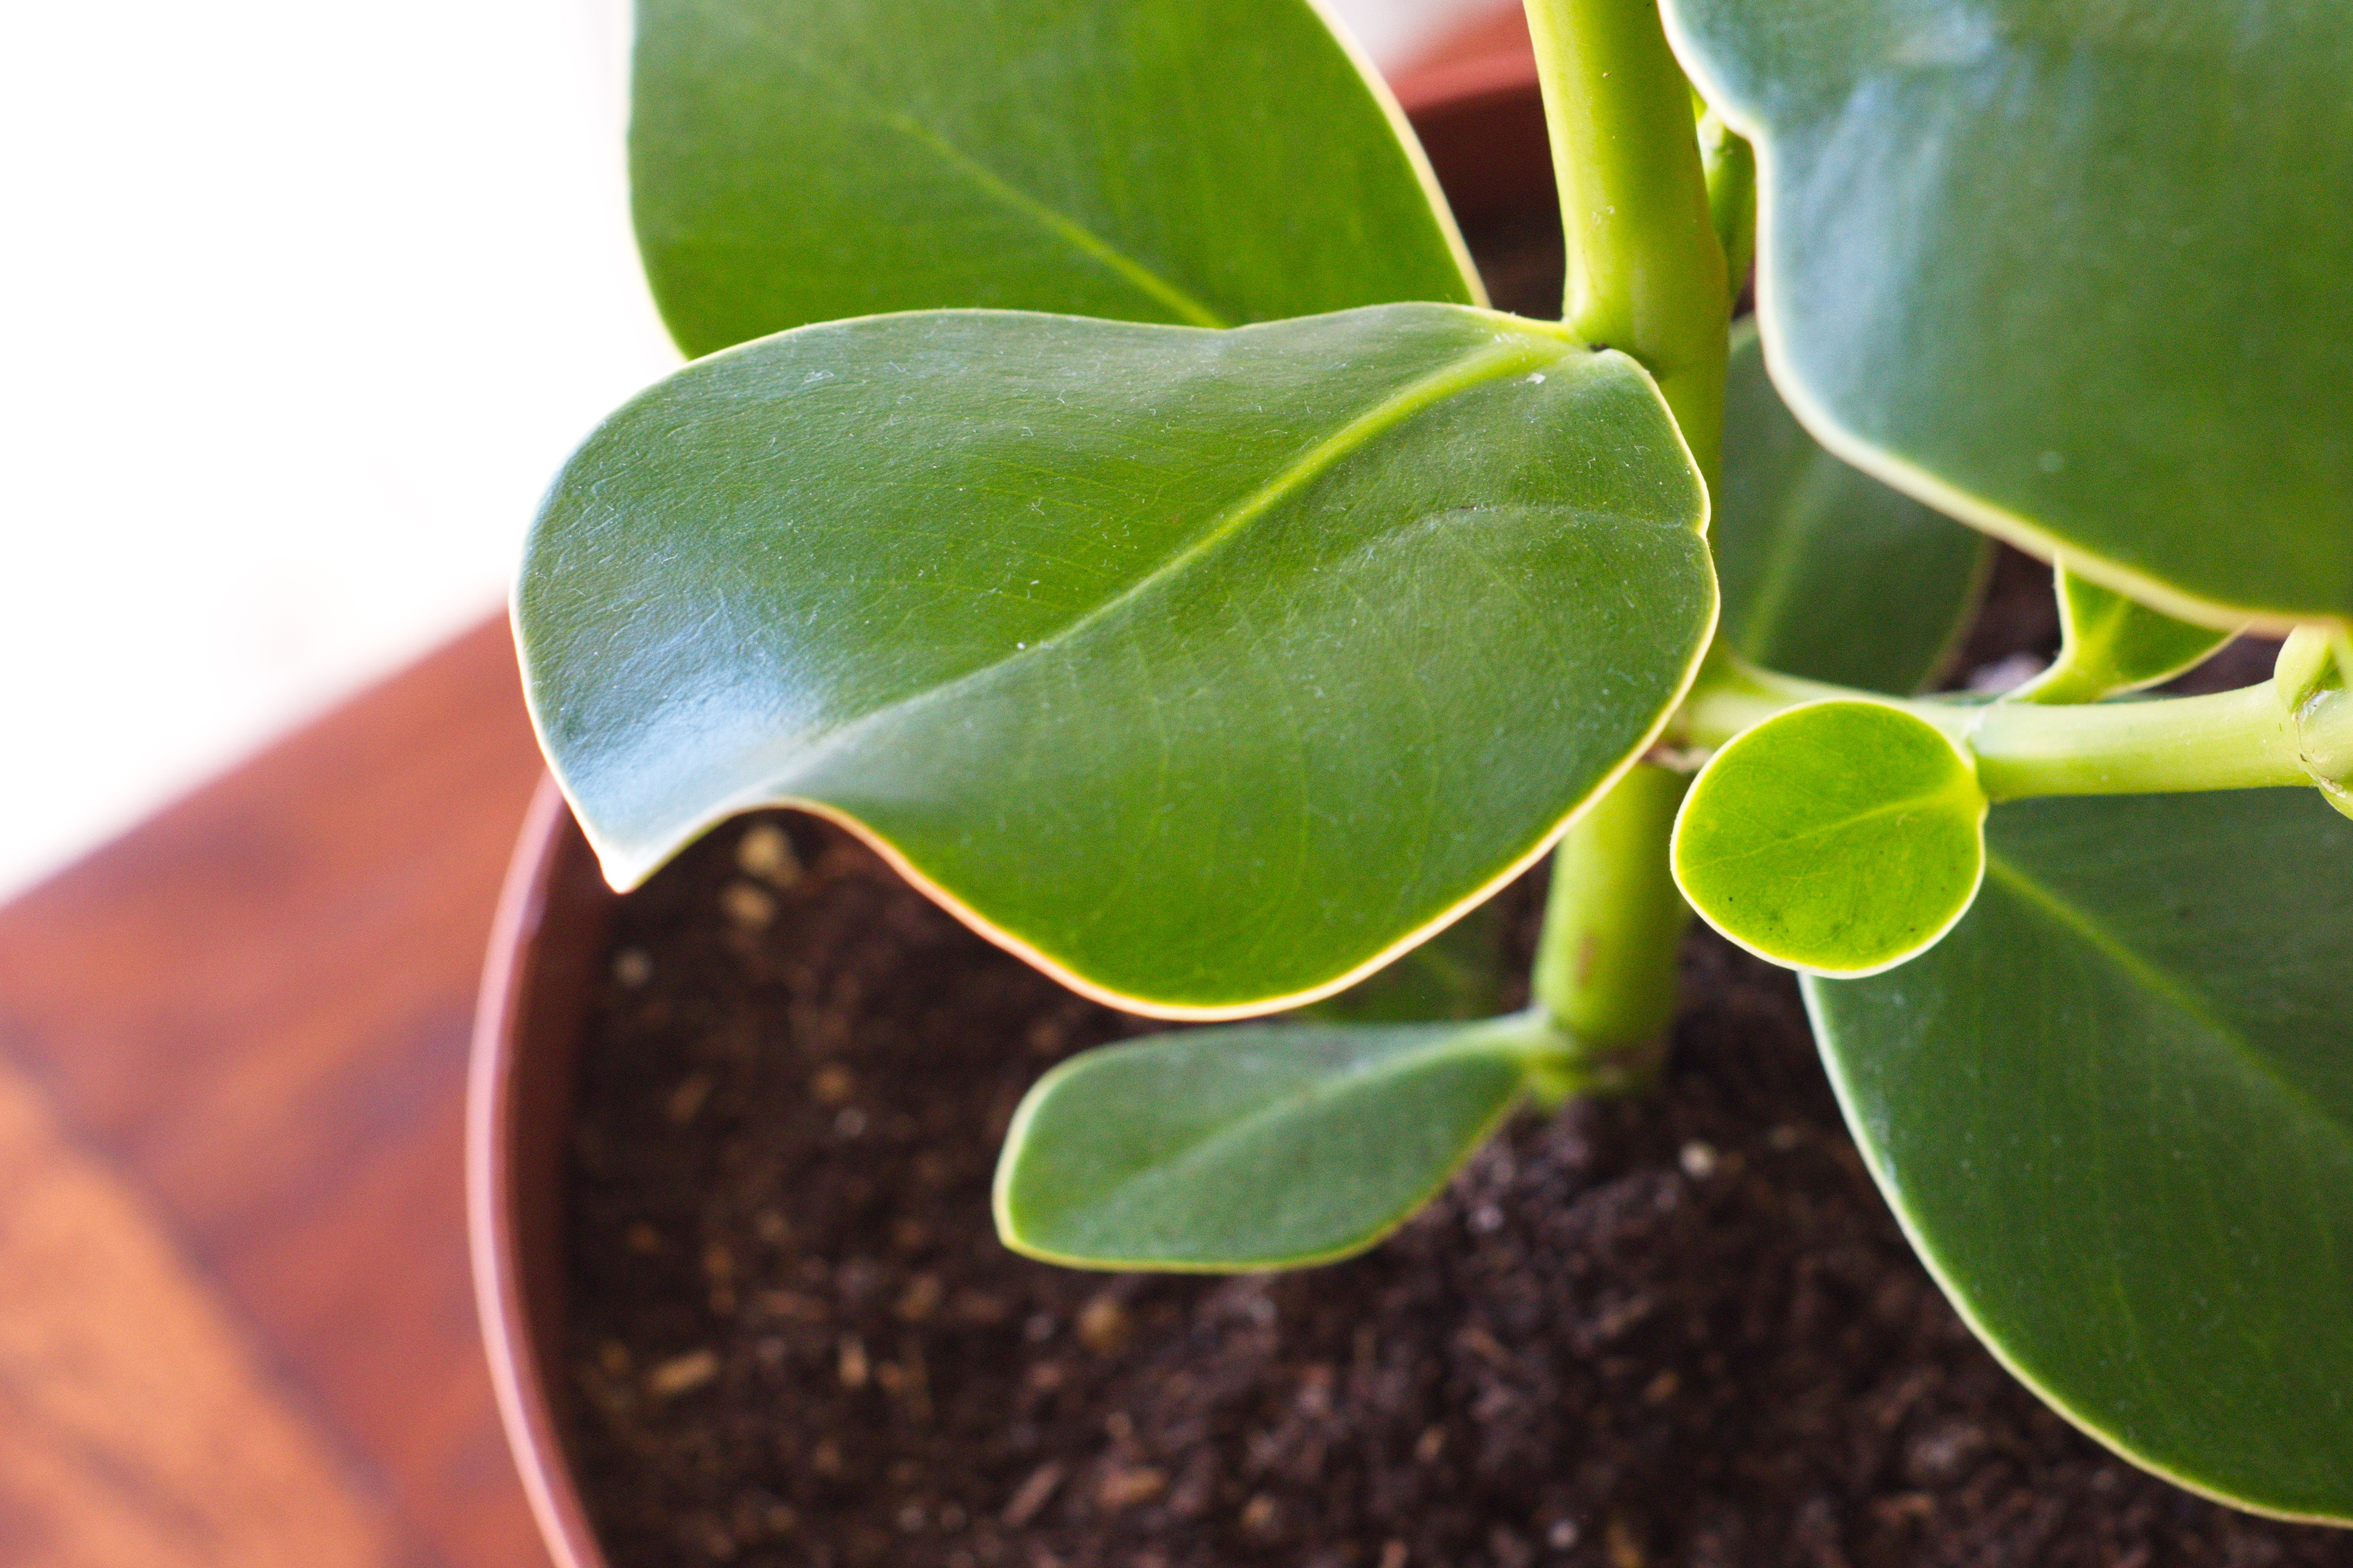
[(1105, 495)]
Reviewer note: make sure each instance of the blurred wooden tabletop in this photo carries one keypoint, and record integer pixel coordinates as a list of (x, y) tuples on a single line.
[(236, 1326)]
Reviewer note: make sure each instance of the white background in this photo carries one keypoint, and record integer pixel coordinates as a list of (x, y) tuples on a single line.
[(301, 303)]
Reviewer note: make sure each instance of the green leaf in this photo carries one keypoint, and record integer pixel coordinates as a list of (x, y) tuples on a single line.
[(1457, 974), (2114, 1112), (1210, 670), (1251, 1146), (1827, 573), (2080, 274), (2113, 644), (1840, 837), (1197, 161)]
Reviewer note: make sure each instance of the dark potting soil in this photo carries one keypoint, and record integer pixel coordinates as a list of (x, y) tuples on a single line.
[(1681, 1329)]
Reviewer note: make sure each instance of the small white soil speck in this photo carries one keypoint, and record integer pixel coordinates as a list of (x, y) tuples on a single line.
[(851, 1362), (686, 1098), (683, 1373), (747, 906), (765, 852)]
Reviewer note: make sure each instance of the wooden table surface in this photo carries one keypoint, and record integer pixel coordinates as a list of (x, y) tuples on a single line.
[(235, 1324)]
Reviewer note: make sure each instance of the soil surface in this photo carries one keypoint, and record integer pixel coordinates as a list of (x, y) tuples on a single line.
[(1677, 1330), (1683, 1330)]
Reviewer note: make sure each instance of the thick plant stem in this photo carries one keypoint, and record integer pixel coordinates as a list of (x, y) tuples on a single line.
[(1645, 273), (1646, 276), (1612, 930)]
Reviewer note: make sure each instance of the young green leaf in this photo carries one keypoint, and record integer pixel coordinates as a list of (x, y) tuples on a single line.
[(1827, 573), (2114, 1112), (2080, 274), (1197, 161), (1208, 669), (1251, 1146), (1840, 837), (2113, 644)]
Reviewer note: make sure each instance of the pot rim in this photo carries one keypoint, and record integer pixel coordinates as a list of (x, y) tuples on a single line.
[(518, 1376)]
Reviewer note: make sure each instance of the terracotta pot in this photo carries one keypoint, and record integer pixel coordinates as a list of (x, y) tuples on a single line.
[(545, 944), (1475, 106)]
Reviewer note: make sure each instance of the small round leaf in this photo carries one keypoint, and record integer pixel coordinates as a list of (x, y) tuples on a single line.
[(1837, 837)]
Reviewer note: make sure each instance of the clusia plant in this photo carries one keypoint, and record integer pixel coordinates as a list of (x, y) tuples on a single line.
[(1102, 490)]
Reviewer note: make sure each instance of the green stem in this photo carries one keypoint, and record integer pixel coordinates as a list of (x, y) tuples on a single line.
[(1645, 272), (2230, 740), (1732, 695), (1613, 926), (1731, 166), (1646, 276)]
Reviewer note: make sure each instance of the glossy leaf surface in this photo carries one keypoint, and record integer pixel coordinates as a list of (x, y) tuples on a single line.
[(1199, 162), (2115, 644), (1837, 837), (1207, 670), (2114, 1110), (2081, 273), (1251, 1146), (1827, 573)]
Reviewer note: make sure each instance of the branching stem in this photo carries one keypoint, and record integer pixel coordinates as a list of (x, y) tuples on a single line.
[(2230, 740)]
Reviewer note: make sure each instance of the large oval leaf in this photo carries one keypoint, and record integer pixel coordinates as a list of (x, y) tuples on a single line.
[(1203, 161), (2114, 1110), (1827, 573), (1253, 1146), (1208, 669), (2082, 274)]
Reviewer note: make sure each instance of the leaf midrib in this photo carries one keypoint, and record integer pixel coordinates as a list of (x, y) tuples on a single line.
[(1961, 790), (1474, 1041), (1492, 360), (2082, 924), (987, 181)]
